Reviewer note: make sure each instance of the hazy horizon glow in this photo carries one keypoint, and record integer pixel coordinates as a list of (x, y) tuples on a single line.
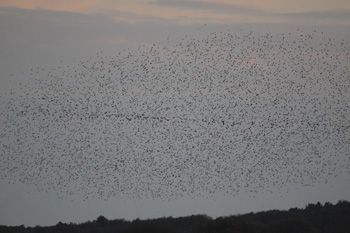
[(194, 11)]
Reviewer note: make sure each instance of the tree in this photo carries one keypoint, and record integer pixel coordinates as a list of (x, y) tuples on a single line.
[(101, 220)]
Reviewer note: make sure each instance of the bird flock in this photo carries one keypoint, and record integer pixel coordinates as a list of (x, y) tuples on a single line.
[(223, 112)]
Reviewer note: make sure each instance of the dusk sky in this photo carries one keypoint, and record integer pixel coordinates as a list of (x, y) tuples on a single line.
[(50, 49)]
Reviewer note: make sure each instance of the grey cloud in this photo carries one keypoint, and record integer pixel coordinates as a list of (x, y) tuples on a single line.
[(50, 28), (341, 15), (338, 14), (32, 37), (63, 28), (210, 6)]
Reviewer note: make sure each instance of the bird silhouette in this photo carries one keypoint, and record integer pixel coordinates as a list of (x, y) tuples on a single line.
[(220, 112)]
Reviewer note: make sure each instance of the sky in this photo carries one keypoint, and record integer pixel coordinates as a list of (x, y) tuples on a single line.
[(42, 35)]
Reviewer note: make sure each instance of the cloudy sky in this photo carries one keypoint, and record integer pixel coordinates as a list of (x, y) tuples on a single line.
[(42, 33), (33, 31)]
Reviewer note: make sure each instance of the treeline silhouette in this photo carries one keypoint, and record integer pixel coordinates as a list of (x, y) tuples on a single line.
[(312, 218)]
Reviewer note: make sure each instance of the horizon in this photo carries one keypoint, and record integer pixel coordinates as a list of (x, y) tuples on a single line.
[(187, 216)]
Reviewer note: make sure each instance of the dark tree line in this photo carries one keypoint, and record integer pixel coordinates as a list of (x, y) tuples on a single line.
[(311, 219)]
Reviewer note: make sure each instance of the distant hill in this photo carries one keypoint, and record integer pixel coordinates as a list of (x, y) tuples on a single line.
[(327, 218)]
